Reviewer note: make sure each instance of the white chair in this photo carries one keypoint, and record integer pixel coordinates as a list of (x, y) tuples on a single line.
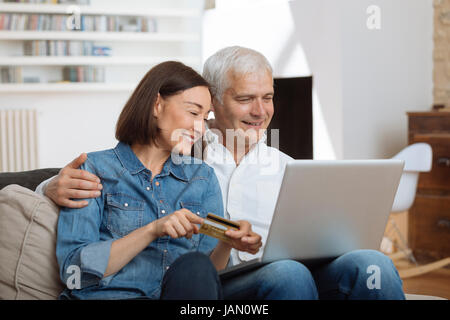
[(418, 158)]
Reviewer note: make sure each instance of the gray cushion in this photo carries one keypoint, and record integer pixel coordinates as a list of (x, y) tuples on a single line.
[(28, 268), (27, 179)]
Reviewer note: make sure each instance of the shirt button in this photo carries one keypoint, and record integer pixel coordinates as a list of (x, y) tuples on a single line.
[(163, 211), (126, 204), (148, 188), (167, 268), (165, 250), (157, 183)]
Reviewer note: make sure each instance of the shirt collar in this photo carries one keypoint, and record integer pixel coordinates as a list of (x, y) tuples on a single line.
[(175, 169), (131, 162)]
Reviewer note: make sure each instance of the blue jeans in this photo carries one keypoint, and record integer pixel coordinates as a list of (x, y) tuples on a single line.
[(191, 277), (279, 280), (360, 274)]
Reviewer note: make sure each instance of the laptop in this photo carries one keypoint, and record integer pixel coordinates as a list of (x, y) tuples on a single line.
[(326, 208)]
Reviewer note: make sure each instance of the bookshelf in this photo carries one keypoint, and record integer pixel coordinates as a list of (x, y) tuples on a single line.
[(65, 87), (104, 36), (92, 10), (89, 60), (177, 37)]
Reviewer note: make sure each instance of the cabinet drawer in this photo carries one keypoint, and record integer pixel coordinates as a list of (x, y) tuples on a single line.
[(439, 176), (429, 225), (428, 122)]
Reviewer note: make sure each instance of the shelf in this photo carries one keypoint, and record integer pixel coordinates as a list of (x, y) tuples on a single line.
[(180, 35), (101, 36), (90, 60), (92, 10), (65, 87)]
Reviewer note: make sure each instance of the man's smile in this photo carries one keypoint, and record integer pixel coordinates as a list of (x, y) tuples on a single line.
[(254, 124)]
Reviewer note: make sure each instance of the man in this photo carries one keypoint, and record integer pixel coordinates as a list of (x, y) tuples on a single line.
[(250, 175)]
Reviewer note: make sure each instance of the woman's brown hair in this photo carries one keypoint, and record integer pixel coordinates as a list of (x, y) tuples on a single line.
[(136, 123)]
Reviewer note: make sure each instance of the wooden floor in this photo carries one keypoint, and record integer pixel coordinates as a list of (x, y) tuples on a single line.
[(436, 283)]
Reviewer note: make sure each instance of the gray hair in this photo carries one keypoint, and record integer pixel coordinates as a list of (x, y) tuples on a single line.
[(235, 59)]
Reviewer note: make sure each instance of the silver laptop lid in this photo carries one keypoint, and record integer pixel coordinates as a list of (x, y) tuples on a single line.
[(327, 208)]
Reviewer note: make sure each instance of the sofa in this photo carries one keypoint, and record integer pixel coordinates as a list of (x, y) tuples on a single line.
[(28, 268)]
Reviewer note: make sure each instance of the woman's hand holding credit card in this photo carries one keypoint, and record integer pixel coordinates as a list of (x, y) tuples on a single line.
[(181, 223), (236, 234)]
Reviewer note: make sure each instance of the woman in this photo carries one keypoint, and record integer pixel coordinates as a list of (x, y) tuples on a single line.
[(140, 238)]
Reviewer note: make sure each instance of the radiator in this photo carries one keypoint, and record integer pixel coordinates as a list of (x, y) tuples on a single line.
[(18, 140)]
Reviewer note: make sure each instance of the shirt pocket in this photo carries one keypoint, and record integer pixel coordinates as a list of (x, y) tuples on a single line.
[(195, 208), (125, 213)]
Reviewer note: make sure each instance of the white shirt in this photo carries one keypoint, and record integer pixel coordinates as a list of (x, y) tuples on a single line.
[(249, 190)]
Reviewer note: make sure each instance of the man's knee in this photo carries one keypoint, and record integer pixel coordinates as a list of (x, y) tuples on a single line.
[(291, 277), (286, 270), (365, 259), (374, 270), (360, 274)]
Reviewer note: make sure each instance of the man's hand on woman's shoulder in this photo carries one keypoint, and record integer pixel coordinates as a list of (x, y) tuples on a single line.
[(73, 183)]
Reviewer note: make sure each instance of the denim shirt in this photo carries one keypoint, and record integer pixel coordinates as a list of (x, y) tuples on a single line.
[(130, 200)]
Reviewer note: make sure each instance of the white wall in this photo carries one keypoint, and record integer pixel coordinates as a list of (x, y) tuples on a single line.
[(386, 73), (70, 123), (318, 33), (364, 80)]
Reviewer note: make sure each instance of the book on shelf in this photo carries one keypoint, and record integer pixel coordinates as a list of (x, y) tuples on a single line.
[(15, 75), (101, 51), (84, 74), (61, 22), (79, 2), (69, 74), (64, 48), (11, 75)]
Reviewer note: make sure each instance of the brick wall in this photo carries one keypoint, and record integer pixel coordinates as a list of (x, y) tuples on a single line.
[(441, 53)]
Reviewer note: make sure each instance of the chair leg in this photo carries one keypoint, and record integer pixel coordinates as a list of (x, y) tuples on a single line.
[(400, 255), (416, 271), (404, 247)]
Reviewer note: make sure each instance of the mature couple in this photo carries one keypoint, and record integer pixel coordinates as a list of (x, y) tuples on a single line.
[(136, 234)]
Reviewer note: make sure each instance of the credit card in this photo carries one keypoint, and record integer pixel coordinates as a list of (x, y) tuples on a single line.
[(215, 226)]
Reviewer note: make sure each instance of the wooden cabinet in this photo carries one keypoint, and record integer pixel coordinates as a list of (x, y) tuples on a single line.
[(429, 217)]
